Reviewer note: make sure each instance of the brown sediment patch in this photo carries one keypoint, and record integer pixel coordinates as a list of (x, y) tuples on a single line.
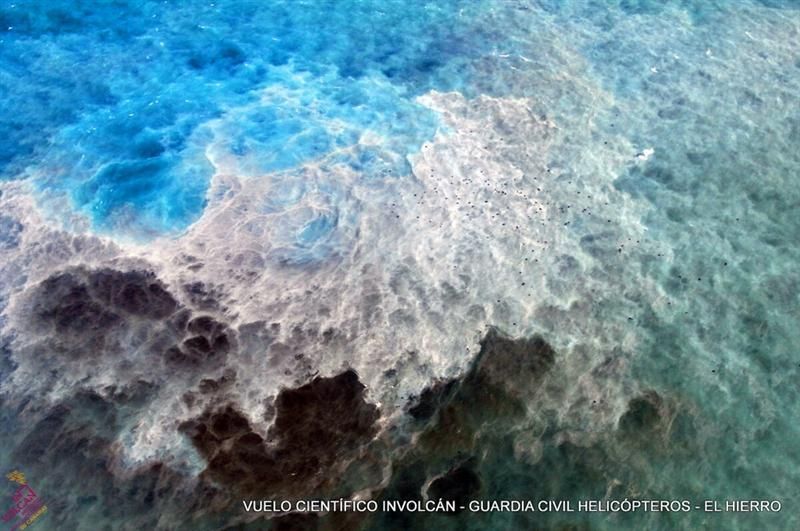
[(318, 427), (461, 417)]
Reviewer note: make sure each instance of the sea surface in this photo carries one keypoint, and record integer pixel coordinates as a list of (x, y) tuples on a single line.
[(485, 249)]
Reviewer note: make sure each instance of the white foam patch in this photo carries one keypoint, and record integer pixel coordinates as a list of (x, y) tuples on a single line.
[(485, 233)]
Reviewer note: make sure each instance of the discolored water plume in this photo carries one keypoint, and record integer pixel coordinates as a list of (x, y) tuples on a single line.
[(431, 399), (206, 207), (477, 432), (104, 313), (75, 439), (459, 484), (318, 428), (465, 418), (81, 310), (139, 293), (207, 343)]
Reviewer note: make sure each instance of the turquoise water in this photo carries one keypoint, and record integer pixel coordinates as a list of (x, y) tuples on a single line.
[(375, 184), (124, 129)]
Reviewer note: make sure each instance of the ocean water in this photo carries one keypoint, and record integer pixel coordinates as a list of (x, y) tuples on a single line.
[(556, 242)]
